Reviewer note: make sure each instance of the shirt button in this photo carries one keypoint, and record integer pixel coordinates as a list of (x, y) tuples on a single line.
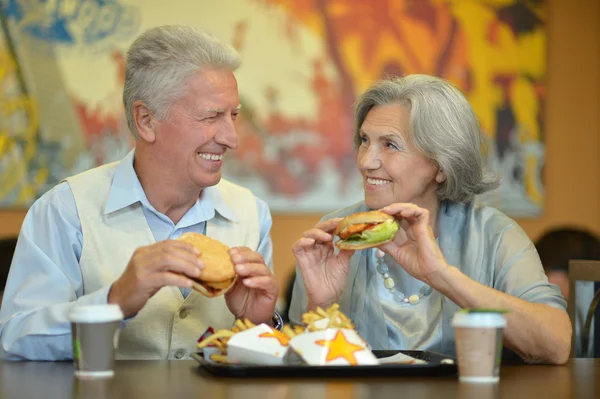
[(184, 313), (179, 354)]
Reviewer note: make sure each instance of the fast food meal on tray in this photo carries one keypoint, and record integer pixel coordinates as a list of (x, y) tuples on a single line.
[(218, 275), (247, 343), (327, 337)]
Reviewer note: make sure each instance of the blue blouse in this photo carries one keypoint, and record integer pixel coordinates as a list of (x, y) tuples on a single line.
[(482, 242)]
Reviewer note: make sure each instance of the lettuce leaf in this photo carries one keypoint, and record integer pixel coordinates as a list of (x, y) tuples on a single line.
[(381, 232)]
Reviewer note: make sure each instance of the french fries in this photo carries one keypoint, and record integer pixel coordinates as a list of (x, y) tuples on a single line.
[(335, 319), (221, 337), (312, 321)]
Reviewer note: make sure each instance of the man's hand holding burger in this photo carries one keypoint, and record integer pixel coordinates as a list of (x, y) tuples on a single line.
[(207, 265), (255, 292), (250, 288), (169, 262)]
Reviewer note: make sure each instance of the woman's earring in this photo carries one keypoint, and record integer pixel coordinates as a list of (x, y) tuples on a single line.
[(440, 177)]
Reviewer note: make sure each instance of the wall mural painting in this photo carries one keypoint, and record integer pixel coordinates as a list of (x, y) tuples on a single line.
[(31, 162), (21, 171), (73, 22), (305, 62)]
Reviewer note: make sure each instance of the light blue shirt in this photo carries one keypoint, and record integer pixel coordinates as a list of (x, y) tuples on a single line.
[(45, 279)]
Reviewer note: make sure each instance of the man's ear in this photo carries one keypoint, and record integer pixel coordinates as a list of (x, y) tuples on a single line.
[(440, 177), (144, 121)]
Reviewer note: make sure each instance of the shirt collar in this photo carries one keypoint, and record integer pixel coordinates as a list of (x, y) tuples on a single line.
[(125, 186), (212, 198), (126, 190)]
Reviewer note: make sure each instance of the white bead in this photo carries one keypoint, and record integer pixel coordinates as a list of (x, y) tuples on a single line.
[(413, 299), (379, 253), (385, 275), (389, 283)]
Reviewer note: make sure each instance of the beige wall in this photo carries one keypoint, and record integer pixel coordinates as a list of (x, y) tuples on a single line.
[(572, 171)]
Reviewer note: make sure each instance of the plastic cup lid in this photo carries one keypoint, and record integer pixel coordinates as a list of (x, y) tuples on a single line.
[(95, 314), (485, 318)]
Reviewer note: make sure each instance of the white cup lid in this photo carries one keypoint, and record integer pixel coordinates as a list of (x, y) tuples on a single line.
[(484, 319), (95, 314)]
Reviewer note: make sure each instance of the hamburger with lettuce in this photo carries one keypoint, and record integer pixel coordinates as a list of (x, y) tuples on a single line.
[(366, 230)]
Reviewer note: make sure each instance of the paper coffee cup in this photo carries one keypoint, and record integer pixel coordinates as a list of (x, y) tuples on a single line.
[(479, 344), (95, 332)]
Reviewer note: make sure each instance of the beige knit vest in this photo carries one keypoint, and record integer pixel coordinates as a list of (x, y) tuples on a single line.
[(168, 326)]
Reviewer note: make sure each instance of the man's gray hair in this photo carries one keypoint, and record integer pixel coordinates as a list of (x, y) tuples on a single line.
[(160, 61), (442, 126)]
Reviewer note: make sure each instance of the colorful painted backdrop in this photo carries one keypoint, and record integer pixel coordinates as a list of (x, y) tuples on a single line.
[(304, 64)]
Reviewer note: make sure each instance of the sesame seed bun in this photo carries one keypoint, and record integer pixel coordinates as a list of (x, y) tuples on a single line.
[(370, 217)]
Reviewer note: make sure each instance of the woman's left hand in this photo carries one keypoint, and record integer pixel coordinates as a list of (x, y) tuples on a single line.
[(414, 247)]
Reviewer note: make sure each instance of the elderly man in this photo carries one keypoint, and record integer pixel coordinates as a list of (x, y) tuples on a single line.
[(107, 235)]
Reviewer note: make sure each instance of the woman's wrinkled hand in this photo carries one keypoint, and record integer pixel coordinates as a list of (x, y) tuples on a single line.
[(324, 272), (414, 247)]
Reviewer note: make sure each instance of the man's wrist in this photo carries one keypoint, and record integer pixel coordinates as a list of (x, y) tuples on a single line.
[(112, 298), (277, 320)]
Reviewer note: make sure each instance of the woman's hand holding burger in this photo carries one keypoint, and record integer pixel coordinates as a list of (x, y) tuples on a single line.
[(414, 246), (401, 230), (324, 272)]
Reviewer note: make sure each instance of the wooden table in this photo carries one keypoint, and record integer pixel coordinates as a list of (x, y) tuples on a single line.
[(183, 379)]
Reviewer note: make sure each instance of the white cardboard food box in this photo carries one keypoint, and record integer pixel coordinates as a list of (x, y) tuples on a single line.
[(258, 345), (262, 345), (330, 347), (323, 323)]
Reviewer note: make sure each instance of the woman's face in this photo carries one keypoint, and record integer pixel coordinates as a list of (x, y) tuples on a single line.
[(392, 169)]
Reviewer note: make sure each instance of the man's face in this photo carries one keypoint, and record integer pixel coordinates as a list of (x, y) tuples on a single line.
[(199, 129)]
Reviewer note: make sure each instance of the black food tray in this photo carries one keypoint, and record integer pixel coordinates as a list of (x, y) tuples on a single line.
[(434, 368)]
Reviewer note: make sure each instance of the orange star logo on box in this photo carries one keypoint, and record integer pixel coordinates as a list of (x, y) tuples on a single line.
[(339, 347), (283, 339)]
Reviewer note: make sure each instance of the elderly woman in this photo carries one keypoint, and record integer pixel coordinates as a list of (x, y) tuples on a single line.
[(419, 145)]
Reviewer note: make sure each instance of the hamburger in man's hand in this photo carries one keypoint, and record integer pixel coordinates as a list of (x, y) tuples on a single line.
[(366, 230), (218, 275)]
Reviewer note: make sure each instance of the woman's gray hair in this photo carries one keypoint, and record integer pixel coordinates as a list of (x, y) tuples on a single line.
[(160, 61), (442, 126)]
